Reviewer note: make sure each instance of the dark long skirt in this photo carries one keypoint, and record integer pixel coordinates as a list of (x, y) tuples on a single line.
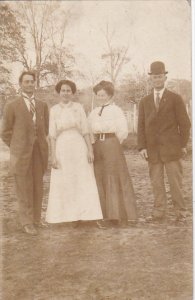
[(114, 184)]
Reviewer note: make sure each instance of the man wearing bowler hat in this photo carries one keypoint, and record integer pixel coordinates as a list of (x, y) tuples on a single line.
[(163, 133)]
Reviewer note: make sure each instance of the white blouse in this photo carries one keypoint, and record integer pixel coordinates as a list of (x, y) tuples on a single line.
[(112, 120), (67, 116)]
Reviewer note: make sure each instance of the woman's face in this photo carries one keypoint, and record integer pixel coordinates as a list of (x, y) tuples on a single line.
[(66, 94), (102, 97)]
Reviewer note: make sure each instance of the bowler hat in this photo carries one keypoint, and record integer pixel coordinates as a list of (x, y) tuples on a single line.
[(157, 68)]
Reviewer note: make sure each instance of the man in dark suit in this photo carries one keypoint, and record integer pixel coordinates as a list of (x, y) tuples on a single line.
[(25, 130), (163, 133)]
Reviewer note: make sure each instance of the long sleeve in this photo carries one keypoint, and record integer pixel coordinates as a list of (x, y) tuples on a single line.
[(121, 125), (112, 120), (46, 113), (8, 122), (183, 121), (89, 119), (52, 125), (141, 139), (83, 122)]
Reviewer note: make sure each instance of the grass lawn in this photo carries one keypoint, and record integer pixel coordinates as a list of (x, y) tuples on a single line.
[(149, 261)]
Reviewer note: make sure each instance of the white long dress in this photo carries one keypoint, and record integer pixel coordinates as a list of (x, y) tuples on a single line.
[(73, 191)]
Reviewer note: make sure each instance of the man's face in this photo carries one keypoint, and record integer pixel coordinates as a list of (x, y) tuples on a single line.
[(28, 84), (158, 81)]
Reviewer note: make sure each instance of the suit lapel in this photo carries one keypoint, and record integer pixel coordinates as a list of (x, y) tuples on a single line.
[(38, 111), (163, 101), (152, 104), (25, 111)]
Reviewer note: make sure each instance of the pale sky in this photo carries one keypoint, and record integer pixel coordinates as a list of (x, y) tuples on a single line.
[(155, 30)]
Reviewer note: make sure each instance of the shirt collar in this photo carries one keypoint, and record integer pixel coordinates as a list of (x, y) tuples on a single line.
[(69, 104), (27, 97), (160, 92), (107, 103)]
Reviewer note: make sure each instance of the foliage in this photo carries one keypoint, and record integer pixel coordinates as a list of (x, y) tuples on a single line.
[(135, 88), (10, 34), (12, 42), (5, 73), (60, 64), (182, 87)]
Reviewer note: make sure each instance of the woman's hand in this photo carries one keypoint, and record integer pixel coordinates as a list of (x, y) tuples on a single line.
[(54, 163), (59, 131), (90, 156)]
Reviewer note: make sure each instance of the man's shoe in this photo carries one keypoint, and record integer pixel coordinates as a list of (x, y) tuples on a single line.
[(41, 224), (132, 223), (30, 229), (155, 219)]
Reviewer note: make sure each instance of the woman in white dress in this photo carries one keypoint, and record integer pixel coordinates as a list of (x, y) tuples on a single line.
[(73, 194)]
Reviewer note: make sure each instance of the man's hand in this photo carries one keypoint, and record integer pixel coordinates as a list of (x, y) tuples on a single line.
[(184, 152), (144, 154)]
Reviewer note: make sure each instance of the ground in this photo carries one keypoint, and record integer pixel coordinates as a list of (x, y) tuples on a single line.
[(146, 262)]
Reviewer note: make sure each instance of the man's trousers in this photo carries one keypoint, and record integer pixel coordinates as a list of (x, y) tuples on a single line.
[(174, 174), (29, 189)]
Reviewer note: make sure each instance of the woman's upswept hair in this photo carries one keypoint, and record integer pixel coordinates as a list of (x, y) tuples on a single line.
[(70, 83), (107, 86)]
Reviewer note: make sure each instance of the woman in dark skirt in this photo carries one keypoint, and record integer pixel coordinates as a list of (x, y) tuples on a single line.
[(109, 128)]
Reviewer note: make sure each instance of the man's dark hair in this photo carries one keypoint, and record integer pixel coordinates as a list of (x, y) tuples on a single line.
[(27, 73)]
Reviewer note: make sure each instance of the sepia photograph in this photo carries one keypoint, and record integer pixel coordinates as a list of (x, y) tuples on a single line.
[(96, 197)]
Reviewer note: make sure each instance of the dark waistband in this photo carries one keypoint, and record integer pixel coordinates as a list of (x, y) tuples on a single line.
[(103, 136)]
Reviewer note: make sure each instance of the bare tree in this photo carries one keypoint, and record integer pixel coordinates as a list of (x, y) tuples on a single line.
[(58, 48), (61, 55), (90, 75), (45, 31), (35, 17), (92, 79), (115, 56)]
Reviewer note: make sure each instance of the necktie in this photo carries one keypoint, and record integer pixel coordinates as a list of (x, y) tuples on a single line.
[(157, 101), (32, 106), (102, 108)]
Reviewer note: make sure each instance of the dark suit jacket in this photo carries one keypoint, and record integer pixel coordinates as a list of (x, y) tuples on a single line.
[(19, 133), (166, 132)]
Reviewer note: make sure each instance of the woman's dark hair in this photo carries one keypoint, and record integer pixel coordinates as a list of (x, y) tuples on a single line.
[(70, 83), (107, 86), (27, 73)]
